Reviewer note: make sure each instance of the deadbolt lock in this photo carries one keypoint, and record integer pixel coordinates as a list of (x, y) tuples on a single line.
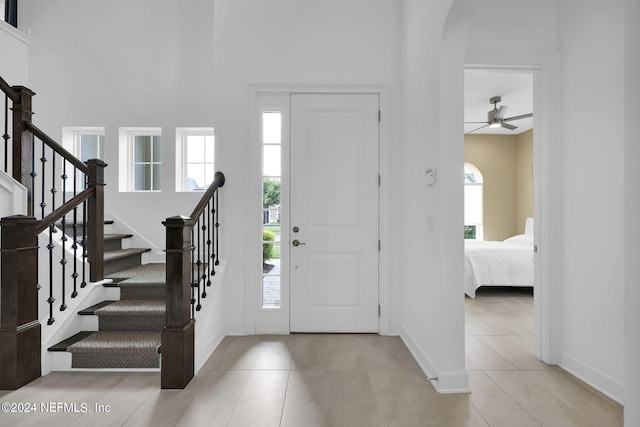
[(296, 229)]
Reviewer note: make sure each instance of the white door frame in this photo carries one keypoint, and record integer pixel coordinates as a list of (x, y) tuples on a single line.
[(276, 321), (546, 196)]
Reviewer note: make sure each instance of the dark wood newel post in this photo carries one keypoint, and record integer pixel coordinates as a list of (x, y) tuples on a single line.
[(95, 219), (22, 141), (19, 325), (178, 334)]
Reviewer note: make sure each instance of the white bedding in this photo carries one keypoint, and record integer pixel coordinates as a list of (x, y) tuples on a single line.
[(507, 263)]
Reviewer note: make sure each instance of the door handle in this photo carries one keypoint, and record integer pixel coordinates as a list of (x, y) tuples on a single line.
[(297, 243)]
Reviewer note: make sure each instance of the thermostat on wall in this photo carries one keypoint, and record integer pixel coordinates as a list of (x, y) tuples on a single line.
[(431, 176)]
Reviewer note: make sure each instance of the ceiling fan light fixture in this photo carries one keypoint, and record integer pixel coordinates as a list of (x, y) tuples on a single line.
[(495, 125)]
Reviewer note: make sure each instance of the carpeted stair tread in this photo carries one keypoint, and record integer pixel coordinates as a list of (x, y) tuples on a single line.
[(123, 253), (114, 341), (147, 273), (133, 308), (117, 349)]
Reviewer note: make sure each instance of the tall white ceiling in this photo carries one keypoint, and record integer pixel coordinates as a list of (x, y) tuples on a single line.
[(516, 90)]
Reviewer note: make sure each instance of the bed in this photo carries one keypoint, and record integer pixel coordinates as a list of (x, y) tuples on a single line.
[(495, 263)]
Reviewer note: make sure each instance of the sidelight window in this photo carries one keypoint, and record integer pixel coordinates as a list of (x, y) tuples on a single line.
[(271, 132)]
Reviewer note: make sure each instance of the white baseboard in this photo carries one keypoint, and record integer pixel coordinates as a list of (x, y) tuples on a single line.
[(596, 379), (447, 381), (235, 329), (395, 328)]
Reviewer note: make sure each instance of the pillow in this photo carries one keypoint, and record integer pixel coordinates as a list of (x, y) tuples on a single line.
[(521, 238), (528, 226)]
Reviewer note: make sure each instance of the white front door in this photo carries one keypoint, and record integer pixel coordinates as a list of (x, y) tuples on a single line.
[(334, 213)]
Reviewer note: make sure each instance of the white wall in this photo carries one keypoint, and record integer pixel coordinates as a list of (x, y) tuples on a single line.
[(432, 308), (14, 45), (513, 27), (591, 46), (632, 213), (286, 44), (120, 63), (169, 64)]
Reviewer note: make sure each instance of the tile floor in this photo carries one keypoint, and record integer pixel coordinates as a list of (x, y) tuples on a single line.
[(335, 380)]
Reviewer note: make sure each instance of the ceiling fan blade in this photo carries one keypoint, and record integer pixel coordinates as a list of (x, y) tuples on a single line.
[(468, 123), (508, 126), (523, 116), (481, 127), (501, 112)]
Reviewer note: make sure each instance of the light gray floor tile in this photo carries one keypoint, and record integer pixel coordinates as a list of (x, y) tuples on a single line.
[(339, 380)]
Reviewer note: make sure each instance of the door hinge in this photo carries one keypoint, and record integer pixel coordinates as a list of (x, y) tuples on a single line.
[(379, 115), (535, 248), (379, 180), (379, 310), (379, 245)]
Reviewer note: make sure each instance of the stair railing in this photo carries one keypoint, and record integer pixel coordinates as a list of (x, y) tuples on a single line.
[(45, 168), (192, 252)]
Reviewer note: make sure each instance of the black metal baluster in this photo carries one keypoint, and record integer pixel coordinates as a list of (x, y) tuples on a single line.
[(204, 260), (217, 198), (53, 182), (193, 300), (43, 160), (75, 237), (51, 299), (198, 263), (5, 136), (63, 260), (209, 263), (212, 259), (33, 174), (84, 243)]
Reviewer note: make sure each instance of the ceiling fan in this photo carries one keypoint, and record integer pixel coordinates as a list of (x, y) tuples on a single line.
[(496, 119)]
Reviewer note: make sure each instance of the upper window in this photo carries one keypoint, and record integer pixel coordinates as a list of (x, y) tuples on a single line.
[(85, 143), (90, 144), (472, 203), (9, 11), (140, 159), (195, 158)]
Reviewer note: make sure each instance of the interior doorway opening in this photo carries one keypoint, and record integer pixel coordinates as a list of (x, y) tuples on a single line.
[(500, 282)]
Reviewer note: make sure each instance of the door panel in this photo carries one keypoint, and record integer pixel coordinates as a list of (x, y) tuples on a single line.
[(334, 203)]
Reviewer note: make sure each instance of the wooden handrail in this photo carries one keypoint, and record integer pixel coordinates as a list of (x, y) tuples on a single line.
[(218, 181), (58, 148), (8, 90), (47, 221)]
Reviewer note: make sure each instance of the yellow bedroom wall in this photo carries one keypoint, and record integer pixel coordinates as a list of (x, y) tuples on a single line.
[(524, 179), (506, 164)]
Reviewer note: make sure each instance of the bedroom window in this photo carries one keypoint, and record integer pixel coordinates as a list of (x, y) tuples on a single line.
[(472, 202)]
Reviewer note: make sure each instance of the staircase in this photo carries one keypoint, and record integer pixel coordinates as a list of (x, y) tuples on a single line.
[(129, 331)]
